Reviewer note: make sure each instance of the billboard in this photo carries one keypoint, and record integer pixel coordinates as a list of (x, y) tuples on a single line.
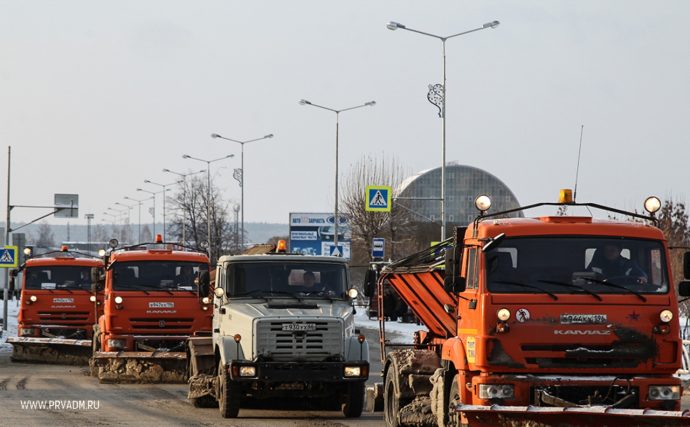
[(313, 234)]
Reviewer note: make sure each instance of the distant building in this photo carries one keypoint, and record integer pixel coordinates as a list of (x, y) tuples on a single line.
[(463, 185)]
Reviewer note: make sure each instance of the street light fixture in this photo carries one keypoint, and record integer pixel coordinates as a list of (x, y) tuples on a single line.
[(437, 96), (337, 124), (208, 196), (240, 179), (148, 181), (184, 197)]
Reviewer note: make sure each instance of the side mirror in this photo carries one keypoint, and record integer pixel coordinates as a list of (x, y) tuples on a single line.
[(97, 279), (204, 284), (455, 284), (686, 265), (11, 285), (369, 282), (684, 288)]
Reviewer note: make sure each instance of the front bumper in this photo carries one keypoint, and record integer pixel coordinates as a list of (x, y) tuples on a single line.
[(302, 372), (578, 391)]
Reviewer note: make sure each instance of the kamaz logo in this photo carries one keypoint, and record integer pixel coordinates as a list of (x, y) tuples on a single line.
[(580, 332), (161, 305)]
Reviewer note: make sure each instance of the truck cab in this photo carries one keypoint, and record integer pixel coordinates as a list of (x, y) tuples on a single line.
[(283, 326), (58, 308), (155, 297)]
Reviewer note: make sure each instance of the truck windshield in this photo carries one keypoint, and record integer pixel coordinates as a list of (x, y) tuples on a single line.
[(299, 279), (588, 265), (58, 277), (157, 275)]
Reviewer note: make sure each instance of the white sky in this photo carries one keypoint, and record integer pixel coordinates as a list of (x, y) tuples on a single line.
[(97, 96)]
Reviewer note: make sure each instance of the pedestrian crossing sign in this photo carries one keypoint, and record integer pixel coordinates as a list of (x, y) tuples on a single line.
[(8, 257), (378, 198)]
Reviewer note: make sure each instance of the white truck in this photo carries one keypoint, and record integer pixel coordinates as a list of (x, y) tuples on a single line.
[(283, 326)]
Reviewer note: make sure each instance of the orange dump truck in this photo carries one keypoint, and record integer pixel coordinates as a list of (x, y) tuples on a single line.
[(554, 320), (58, 308), (155, 298)]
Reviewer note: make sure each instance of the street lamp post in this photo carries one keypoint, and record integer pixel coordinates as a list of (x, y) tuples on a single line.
[(129, 215), (337, 124), (208, 196), (437, 96), (241, 175), (89, 217), (148, 181), (184, 197), (153, 196), (139, 202)]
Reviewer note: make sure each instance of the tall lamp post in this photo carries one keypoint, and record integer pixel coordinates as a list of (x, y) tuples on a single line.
[(208, 196), (437, 96), (184, 197), (89, 217), (138, 202), (337, 124), (129, 215), (148, 181), (153, 196), (240, 179)]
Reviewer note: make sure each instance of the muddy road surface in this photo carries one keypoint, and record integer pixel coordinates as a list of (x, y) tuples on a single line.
[(52, 395)]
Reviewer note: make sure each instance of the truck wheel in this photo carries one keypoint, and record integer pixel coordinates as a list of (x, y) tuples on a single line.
[(229, 396), (354, 403), (391, 403), (453, 401)]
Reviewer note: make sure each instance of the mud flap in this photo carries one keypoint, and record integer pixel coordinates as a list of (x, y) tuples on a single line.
[(60, 351), (139, 367), (535, 416)]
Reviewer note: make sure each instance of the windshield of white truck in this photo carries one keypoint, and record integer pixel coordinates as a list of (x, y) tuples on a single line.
[(588, 265), (298, 279), (58, 277), (168, 276)]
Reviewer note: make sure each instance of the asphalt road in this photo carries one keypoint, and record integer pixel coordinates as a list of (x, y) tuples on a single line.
[(136, 404)]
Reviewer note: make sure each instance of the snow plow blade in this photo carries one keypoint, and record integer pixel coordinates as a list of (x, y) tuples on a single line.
[(540, 416), (140, 367), (59, 351)]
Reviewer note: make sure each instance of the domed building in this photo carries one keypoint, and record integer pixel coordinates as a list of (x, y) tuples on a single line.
[(463, 185)]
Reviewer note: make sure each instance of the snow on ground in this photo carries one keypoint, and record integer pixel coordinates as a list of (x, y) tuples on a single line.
[(397, 332), (11, 325)]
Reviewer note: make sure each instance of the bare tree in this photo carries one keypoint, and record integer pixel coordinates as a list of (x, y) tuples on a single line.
[(46, 238), (190, 211), (367, 225)]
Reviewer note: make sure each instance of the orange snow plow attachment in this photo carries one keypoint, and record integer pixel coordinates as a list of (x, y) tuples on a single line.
[(538, 416), (139, 366), (63, 351)]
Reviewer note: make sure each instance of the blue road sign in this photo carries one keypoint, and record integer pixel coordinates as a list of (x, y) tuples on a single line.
[(377, 247), (378, 198), (8, 257), (336, 250)]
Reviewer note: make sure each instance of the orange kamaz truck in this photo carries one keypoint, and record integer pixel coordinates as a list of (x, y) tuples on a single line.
[(552, 320), (59, 306), (155, 297)]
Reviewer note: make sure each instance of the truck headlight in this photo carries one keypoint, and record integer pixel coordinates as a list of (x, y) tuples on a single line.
[(666, 316), (118, 300), (496, 391), (33, 298), (663, 392), (352, 371), (206, 300), (92, 298), (119, 344), (247, 371)]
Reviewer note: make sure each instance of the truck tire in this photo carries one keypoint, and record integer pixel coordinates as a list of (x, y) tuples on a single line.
[(354, 400), (454, 400), (391, 402), (228, 396)]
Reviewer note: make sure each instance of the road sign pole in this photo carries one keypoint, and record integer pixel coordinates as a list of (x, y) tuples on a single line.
[(5, 292)]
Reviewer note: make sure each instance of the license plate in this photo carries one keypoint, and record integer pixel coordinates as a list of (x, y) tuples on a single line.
[(299, 326), (583, 319)]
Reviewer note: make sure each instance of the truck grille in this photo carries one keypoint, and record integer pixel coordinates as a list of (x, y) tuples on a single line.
[(276, 344), (159, 324), (63, 317), (622, 355)]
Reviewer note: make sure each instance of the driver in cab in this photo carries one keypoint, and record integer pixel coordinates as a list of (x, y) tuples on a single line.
[(609, 262)]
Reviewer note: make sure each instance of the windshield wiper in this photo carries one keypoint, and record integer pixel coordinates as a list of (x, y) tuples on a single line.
[(614, 285), (525, 285), (570, 285)]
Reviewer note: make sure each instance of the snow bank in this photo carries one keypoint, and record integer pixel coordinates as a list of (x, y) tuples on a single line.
[(396, 332), (11, 331)]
